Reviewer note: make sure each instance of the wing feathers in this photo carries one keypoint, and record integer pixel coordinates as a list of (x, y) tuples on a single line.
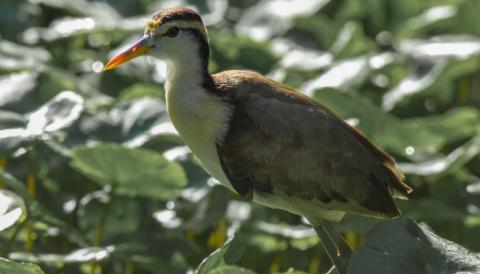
[(282, 141)]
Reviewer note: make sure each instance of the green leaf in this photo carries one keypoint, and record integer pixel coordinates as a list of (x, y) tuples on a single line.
[(132, 122), (132, 171), (231, 252), (201, 208), (11, 120), (123, 218), (10, 267), (17, 90), (136, 91), (12, 209), (57, 114), (38, 211), (231, 269), (88, 254), (393, 134), (401, 246), (454, 160)]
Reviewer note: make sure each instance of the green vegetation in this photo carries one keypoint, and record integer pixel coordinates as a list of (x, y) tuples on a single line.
[(94, 180)]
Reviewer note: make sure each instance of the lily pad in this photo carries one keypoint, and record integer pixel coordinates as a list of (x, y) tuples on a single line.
[(401, 246), (131, 170)]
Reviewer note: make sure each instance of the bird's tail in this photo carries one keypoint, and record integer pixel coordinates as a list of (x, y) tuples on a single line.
[(397, 181)]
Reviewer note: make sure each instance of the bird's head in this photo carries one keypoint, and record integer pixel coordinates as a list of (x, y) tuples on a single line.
[(174, 34)]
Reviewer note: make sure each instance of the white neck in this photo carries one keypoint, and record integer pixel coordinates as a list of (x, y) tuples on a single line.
[(188, 100), (200, 117), (184, 71)]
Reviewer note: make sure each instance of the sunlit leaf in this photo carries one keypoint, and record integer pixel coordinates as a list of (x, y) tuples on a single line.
[(133, 122), (456, 158), (57, 114), (342, 75), (268, 18), (12, 209), (15, 88), (90, 254)]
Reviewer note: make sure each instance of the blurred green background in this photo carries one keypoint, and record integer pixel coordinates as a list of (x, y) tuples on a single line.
[(94, 179)]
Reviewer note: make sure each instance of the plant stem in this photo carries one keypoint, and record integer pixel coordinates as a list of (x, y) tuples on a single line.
[(100, 230), (32, 191), (3, 163), (129, 267), (7, 246)]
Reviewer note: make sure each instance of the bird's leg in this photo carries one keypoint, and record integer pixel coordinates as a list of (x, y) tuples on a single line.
[(335, 246)]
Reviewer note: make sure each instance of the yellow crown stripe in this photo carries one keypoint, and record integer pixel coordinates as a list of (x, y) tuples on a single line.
[(155, 26)]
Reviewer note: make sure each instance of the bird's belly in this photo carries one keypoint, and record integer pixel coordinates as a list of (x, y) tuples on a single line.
[(312, 210)]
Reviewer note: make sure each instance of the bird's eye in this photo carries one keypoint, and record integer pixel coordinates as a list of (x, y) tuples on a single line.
[(172, 32)]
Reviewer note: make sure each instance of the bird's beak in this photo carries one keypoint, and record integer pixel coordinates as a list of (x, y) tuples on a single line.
[(140, 47)]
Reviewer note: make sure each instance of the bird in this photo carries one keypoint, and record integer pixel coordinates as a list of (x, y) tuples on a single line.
[(265, 141)]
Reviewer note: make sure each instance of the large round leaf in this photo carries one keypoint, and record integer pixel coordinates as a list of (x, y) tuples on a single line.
[(132, 171), (401, 246)]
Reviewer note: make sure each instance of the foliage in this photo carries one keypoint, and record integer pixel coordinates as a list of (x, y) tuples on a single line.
[(412, 250), (94, 179)]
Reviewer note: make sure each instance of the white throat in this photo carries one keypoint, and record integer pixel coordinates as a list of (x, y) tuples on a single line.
[(200, 117)]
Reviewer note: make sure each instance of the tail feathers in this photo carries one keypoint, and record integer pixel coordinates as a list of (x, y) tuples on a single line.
[(397, 180), (385, 183), (380, 201)]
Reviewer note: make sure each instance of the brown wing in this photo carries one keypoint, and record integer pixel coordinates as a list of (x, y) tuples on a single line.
[(281, 140)]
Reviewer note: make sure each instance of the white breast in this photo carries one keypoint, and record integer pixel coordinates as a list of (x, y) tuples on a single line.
[(201, 119)]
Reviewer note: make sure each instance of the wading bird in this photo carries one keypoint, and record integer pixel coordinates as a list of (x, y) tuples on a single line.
[(265, 141)]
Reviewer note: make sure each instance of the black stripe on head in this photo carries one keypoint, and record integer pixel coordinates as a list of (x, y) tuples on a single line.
[(203, 47), (174, 14), (204, 53)]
